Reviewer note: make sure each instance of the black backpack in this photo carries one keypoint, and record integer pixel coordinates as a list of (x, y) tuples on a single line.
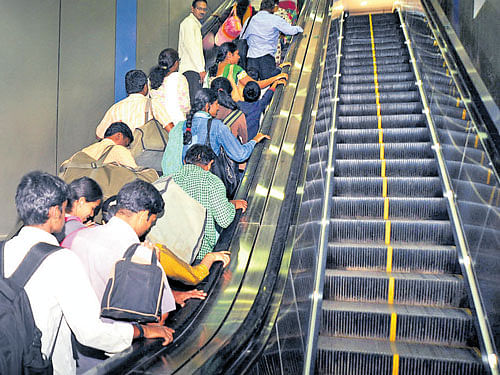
[(20, 346), (224, 168)]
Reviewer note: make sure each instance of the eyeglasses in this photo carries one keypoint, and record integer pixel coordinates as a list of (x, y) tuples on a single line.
[(202, 9)]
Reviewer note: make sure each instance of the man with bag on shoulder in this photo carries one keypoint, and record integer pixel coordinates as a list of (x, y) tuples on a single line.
[(261, 34), (61, 297), (133, 110), (196, 179), (118, 136)]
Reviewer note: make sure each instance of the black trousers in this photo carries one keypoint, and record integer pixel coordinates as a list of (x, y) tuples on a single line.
[(194, 82), (265, 65)]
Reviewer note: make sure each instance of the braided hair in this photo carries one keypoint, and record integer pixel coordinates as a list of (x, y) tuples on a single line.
[(222, 52), (201, 99)]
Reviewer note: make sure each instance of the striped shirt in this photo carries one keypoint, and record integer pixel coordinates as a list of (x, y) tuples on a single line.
[(131, 111), (210, 192)]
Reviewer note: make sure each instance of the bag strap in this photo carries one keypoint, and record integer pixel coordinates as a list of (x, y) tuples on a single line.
[(209, 126), (131, 250), (167, 182), (248, 23), (105, 154), (232, 117), (36, 255), (2, 244)]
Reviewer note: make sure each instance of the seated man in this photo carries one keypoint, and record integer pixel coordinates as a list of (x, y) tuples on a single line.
[(60, 286), (119, 136), (195, 179), (132, 109)]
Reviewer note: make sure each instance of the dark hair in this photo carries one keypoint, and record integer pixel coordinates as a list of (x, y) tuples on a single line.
[(156, 76), (222, 83), (201, 99), (109, 208), (193, 4), (199, 154), (119, 127), (138, 196), (84, 187), (135, 81), (251, 92), (224, 89), (222, 52), (241, 8), (167, 58), (267, 4), (36, 194)]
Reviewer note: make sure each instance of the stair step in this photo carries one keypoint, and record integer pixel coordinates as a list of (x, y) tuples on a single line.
[(389, 168), (396, 186), (397, 322), (408, 288), (405, 258), (347, 356)]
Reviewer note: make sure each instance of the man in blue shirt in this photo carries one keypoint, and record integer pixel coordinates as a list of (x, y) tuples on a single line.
[(262, 32)]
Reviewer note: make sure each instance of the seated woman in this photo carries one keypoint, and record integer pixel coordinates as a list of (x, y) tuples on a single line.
[(84, 202), (226, 65), (170, 86), (195, 129)]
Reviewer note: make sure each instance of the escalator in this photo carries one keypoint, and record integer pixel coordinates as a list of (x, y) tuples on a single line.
[(394, 299)]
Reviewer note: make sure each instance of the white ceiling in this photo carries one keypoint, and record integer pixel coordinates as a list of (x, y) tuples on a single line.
[(366, 6)]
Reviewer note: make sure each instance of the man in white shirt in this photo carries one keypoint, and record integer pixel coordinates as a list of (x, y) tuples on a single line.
[(190, 48), (132, 109), (60, 286)]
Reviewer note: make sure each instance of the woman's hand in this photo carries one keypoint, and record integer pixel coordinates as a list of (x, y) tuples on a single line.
[(259, 137), (182, 297), (240, 203)]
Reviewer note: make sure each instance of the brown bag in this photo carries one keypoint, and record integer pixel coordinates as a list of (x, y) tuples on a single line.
[(149, 142), (110, 176)]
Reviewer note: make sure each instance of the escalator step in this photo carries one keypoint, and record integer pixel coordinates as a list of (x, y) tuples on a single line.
[(389, 135), (465, 154), (380, 61), (390, 151), (379, 53), (395, 232), (384, 97), (387, 68), (383, 77), (407, 288), (387, 121), (354, 88), (396, 186), (411, 208), (393, 168), (427, 259), (385, 108), (409, 323), (347, 356)]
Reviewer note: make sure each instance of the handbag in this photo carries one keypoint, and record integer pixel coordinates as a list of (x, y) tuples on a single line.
[(181, 212), (110, 176), (242, 45), (134, 290), (149, 142), (224, 168), (229, 30)]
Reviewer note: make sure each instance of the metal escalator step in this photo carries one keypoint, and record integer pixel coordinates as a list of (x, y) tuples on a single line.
[(465, 154), (384, 97), (417, 150), (383, 77), (368, 40), (470, 172), (363, 45), (369, 87), (478, 193), (351, 62), (379, 53), (388, 68), (404, 322), (395, 232), (449, 123), (387, 121), (385, 108), (390, 135), (396, 186), (405, 258), (447, 110), (348, 356), (389, 168), (406, 288), (410, 208)]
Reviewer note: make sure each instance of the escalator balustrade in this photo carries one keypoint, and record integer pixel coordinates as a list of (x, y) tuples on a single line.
[(394, 300)]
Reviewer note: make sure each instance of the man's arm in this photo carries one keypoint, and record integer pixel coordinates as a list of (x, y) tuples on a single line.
[(222, 210), (286, 28)]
